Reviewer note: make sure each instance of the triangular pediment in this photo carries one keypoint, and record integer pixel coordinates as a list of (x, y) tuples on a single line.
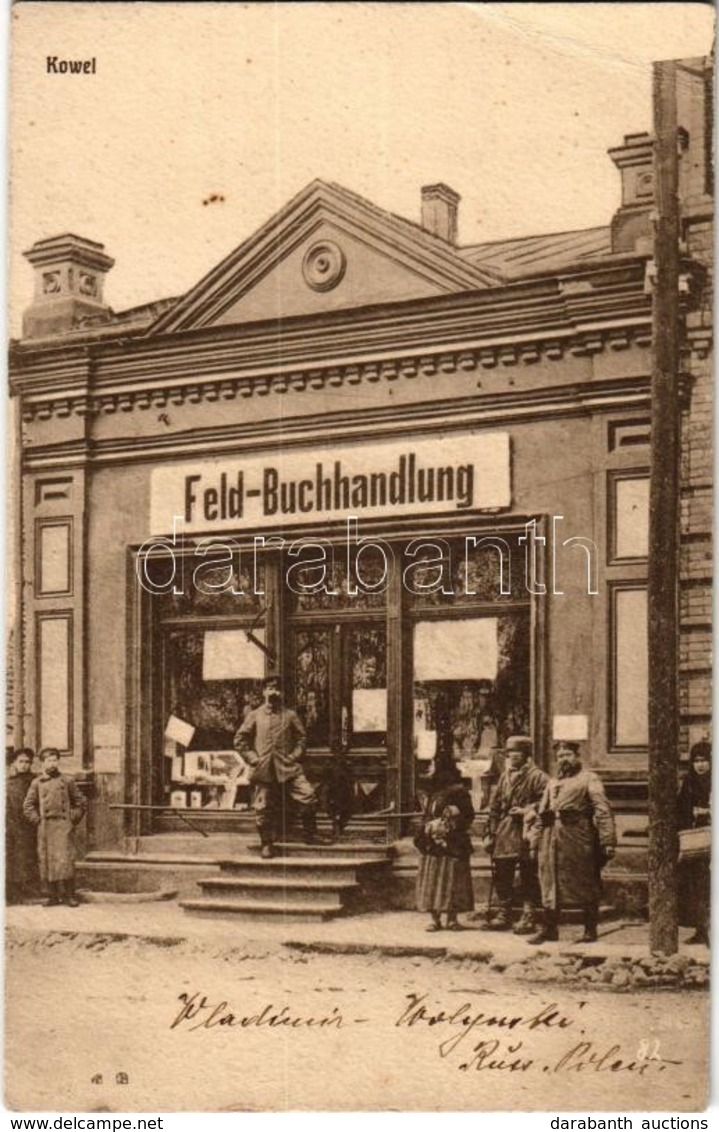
[(327, 250)]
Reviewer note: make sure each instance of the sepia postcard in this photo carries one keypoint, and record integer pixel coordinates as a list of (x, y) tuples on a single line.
[(359, 561)]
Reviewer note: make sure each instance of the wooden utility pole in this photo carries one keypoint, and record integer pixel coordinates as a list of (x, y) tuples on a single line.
[(663, 585)]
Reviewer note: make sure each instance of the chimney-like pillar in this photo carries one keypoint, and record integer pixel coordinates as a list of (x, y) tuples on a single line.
[(631, 224), (69, 276), (439, 211)]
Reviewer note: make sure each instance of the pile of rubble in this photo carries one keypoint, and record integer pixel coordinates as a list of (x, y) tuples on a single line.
[(611, 973)]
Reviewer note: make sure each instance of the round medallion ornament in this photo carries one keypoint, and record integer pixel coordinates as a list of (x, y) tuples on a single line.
[(323, 266)]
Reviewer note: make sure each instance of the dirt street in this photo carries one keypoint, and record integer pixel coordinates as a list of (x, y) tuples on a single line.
[(197, 1027)]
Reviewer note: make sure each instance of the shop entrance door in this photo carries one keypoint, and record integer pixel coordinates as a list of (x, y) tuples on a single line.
[(339, 687)]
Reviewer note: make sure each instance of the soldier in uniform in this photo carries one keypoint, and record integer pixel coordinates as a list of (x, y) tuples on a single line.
[(272, 740), (520, 787), (55, 805)]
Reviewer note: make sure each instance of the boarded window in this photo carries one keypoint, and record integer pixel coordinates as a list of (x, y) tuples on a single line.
[(631, 517), (630, 667), (54, 681), (53, 559)]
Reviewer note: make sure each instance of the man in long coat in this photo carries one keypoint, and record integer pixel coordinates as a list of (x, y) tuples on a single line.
[(520, 787), (22, 879), (574, 837), (55, 805)]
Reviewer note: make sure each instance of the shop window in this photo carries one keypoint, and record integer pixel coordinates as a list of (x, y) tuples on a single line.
[(54, 683), (489, 568), (53, 563), (628, 517), (630, 676), (196, 586), (202, 770), (471, 688)]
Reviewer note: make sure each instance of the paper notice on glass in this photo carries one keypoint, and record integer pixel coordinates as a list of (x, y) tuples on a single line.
[(180, 731), (228, 655), (425, 744), (456, 650), (369, 709), (106, 735), (571, 728)]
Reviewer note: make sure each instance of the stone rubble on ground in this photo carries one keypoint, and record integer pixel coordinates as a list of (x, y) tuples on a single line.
[(621, 974)]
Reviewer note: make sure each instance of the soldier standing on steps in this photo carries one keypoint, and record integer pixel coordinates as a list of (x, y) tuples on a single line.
[(272, 740)]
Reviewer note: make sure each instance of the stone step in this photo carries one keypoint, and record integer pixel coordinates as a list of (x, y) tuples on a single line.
[(365, 849), (116, 856), (337, 869), (253, 890), (282, 910), (130, 874), (318, 884), (191, 844)]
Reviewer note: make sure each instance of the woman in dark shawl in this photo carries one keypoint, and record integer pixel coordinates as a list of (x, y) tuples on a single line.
[(694, 811), (444, 882), (22, 876)]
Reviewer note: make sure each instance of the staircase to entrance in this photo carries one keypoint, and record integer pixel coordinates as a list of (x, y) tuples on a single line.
[(301, 884)]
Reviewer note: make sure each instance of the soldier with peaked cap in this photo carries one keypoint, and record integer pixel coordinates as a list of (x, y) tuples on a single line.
[(519, 789), (55, 805), (272, 740)]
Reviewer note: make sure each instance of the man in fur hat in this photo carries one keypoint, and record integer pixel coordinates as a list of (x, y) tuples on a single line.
[(574, 838)]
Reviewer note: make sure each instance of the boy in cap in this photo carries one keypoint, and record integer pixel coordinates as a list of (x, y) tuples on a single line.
[(520, 787)]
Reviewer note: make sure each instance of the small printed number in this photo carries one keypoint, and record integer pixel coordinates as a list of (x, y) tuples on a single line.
[(649, 1050)]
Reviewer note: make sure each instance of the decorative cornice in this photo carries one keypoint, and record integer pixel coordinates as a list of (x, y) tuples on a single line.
[(480, 410), (440, 361), (611, 296)]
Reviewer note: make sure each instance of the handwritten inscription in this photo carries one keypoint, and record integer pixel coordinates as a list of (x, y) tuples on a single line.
[(509, 1054), (197, 1013), (484, 1040), (462, 1021), (584, 1056)]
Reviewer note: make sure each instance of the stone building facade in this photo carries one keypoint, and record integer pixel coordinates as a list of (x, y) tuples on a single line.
[(456, 403)]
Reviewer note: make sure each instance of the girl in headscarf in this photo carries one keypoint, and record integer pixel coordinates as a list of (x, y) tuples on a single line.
[(444, 882), (694, 811)]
